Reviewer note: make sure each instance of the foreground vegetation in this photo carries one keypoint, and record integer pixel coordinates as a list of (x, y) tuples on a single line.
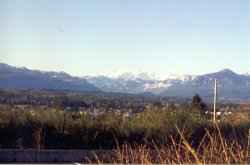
[(59, 129), (158, 134), (213, 148)]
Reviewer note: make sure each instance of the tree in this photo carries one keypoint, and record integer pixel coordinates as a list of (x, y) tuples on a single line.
[(198, 104)]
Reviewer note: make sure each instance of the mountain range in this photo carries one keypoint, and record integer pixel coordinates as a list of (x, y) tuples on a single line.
[(231, 85), (22, 78)]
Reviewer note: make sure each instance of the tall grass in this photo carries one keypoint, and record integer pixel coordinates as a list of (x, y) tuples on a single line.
[(212, 149), (153, 136)]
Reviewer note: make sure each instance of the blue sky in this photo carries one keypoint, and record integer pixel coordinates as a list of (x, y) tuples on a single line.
[(95, 36)]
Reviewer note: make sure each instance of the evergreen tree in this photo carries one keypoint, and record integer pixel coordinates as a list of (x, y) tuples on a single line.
[(198, 104)]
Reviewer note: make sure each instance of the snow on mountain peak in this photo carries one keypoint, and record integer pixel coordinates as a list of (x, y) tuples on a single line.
[(146, 76), (132, 76)]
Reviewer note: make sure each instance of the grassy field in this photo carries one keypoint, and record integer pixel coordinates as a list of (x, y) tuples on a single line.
[(136, 129), (153, 136)]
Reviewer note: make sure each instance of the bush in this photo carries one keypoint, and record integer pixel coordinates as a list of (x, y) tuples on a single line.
[(75, 130)]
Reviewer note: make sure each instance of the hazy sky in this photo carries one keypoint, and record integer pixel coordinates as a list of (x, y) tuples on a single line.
[(102, 36)]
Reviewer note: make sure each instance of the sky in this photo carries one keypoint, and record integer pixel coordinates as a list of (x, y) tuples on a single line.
[(89, 37)]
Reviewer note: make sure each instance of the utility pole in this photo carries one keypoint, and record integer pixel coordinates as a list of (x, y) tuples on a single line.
[(215, 99)]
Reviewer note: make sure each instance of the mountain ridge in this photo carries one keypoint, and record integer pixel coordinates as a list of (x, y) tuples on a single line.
[(22, 78), (232, 85)]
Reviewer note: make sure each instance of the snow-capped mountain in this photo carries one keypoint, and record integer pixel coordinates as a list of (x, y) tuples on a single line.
[(137, 83), (232, 86)]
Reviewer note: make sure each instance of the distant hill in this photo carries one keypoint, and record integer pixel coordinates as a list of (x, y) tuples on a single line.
[(22, 78), (231, 86)]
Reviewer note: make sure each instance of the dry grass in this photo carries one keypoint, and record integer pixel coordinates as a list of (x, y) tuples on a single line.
[(238, 117), (213, 148)]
